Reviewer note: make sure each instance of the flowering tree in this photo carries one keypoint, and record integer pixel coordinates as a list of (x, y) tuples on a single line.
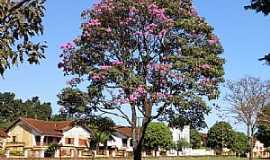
[(149, 57)]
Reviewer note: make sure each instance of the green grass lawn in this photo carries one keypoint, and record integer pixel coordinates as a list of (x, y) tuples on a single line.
[(183, 158)]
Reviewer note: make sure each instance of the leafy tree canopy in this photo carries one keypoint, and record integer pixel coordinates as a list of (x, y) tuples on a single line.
[(263, 132), (157, 135), (195, 139), (144, 56), (19, 22), (240, 144), (260, 6), (12, 108), (181, 144), (220, 135)]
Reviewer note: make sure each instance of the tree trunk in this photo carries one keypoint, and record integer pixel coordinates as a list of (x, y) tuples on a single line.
[(250, 138), (140, 132), (137, 150)]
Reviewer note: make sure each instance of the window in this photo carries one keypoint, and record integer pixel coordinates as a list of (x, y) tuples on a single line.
[(69, 140), (13, 139), (50, 140), (37, 138), (124, 142), (82, 142)]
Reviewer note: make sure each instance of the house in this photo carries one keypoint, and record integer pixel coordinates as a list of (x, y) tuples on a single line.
[(31, 138), (179, 134), (122, 139), (259, 150)]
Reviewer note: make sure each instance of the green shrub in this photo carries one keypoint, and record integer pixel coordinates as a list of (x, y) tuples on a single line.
[(16, 153), (2, 152)]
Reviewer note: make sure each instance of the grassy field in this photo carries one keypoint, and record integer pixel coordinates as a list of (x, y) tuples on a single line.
[(160, 158), (186, 158)]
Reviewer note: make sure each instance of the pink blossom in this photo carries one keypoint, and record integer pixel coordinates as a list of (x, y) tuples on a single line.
[(120, 101), (68, 46), (117, 62), (205, 66), (96, 77), (162, 33), (132, 11), (163, 68), (103, 7), (138, 33), (133, 98), (141, 89), (213, 41), (94, 22), (151, 27), (109, 30), (157, 12), (194, 12), (105, 67)]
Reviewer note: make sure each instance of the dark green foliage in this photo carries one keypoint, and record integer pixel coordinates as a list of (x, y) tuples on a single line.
[(102, 129), (12, 108), (220, 136), (259, 6), (195, 139), (74, 102), (240, 144), (182, 144), (19, 22), (50, 151), (157, 135), (263, 132)]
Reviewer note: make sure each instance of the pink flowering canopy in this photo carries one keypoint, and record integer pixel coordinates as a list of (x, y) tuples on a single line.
[(151, 55)]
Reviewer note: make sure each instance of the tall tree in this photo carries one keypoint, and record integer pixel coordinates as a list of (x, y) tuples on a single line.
[(149, 57), (247, 97), (220, 135), (19, 22)]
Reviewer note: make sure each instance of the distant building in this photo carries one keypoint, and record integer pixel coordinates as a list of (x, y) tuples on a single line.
[(31, 138), (259, 150), (179, 134)]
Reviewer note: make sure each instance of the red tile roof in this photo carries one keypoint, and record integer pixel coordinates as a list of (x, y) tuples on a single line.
[(125, 130), (3, 134), (53, 128)]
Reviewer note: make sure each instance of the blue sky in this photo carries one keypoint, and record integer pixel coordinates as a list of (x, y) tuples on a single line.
[(244, 36)]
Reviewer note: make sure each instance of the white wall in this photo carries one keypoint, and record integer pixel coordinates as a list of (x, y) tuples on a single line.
[(77, 133), (181, 134), (118, 143)]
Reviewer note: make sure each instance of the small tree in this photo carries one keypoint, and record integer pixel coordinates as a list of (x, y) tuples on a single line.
[(102, 129), (182, 144), (146, 57), (247, 97), (19, 22), (195, 139), (220, 135), (157, 135), (240, 144)]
